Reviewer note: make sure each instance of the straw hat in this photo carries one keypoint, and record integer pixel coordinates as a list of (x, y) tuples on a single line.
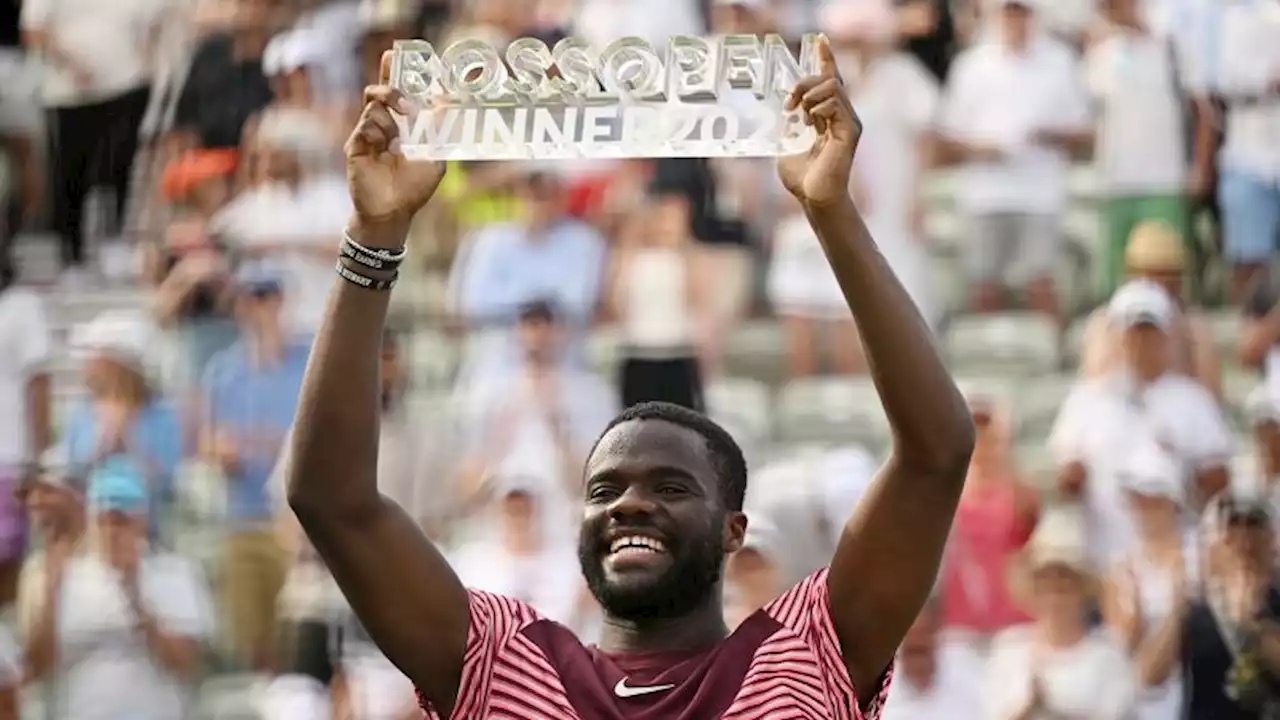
[(1059, 540), (1154, 246)]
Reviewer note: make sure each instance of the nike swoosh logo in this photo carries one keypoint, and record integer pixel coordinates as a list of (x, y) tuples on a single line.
[(622, 690)]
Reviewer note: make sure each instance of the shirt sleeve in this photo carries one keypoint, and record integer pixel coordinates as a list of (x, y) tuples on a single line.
[(1066, 439), (806, 610), (494, 621)]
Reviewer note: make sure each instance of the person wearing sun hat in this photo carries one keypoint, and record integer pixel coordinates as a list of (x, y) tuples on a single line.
[(1147, 593), (130, 617), (1057, 665), (1156, 253)]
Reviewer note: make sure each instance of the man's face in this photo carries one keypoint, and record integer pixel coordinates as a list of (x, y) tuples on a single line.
[(654, 482), (540, 339), (1248, 539), (542, 200), (258, 306), (1146, 350), (119, 533), (1059, 592), (1015, 23), (105, 377)]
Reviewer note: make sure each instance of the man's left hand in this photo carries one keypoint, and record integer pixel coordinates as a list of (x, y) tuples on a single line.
[(820, 176)]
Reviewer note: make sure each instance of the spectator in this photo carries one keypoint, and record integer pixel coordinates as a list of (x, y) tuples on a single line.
[(1263, 414), (996, 517), (98, 65), (795, 522), (128, 619), (1228, 641), (1259, 342), (895, 93), (935, 678), (659, 305), (507, 265), (808, 300), (225, 85), (409, 465), (54, 500), (250, 393), (1240, 67), (1013, 115), (294, 211), (524, 559), (21, 200), (1133, 75), (126, 414), (538, 422), (295, 62), (1146, 601), (1102, 419), (1157, 254), (1057, 666), (25, 412), (725, 263)]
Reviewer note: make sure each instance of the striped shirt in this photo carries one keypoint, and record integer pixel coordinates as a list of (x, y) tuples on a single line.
[(782, 662)]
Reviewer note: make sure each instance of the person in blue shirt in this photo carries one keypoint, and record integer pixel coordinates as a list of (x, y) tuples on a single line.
[(124, 413), (250, 393)]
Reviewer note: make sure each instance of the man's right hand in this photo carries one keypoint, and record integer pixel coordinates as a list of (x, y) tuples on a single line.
[(387, 189)]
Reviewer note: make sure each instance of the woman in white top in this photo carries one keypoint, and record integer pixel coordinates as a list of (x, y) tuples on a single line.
[(1146, 598), (1057, 666), (658, 306), (129, 619)]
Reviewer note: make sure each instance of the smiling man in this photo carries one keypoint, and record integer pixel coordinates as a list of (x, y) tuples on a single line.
[(662, 500)]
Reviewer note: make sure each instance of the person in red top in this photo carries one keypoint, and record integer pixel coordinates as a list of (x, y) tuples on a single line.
[(662, 498)]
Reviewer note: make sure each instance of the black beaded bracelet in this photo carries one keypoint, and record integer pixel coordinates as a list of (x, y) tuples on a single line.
[(364, 281), (373, 258)]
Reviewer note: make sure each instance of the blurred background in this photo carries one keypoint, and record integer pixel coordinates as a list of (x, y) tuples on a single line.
[(173, 192)]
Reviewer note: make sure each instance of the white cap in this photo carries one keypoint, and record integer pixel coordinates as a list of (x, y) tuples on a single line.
[(1151, 471), (291, 51), (1141, 302), (125, 337), (865, 20)]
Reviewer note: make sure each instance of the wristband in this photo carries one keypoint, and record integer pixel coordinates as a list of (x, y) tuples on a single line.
[(373, 258), (364, 281)]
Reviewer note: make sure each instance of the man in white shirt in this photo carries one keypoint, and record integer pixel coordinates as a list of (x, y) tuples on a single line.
[(1238, 63), (99, 60), (1132, 72), (1014, 112), (1143, 400), (538, 422)]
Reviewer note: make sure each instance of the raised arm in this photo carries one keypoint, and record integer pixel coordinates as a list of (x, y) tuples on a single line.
[(888, 554), (399, 585)]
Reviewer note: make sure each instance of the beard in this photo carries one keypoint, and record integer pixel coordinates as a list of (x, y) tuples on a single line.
[(696, 567)]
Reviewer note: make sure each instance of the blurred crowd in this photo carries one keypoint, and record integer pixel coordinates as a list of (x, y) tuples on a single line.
[(1082, 196)]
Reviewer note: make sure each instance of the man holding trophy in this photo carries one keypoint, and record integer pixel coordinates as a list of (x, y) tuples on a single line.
[(663, 488)]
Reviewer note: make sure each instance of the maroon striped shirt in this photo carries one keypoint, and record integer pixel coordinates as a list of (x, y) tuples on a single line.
[(782, 662)]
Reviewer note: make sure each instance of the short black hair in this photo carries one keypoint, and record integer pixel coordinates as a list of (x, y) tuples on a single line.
[(726, 456)]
